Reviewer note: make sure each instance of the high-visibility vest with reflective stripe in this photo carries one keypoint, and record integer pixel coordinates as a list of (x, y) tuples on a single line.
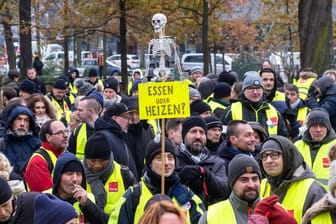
[(271, 114), (295, 196), (65, 110), (279, 96), (301, 115), (321, 164), (81, 141), (303, 86), (221, 211), (114, 188)]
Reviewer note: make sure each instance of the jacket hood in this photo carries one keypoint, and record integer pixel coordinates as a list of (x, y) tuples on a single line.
[(18, 110), (330, 136), (63, 160), (292, 158), (324, 83), (107, 123)]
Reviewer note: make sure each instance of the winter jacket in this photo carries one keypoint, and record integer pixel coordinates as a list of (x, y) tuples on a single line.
[(19, 149), (24, 209), (227, 152), (108, 127), (137, 138), (326, 101), (257, 113), (213, 185)]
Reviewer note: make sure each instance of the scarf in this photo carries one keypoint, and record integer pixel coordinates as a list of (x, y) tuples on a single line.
[(40, 120), (196, 159), (97, 181)]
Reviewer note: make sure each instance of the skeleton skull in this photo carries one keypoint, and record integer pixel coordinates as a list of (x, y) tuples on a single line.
[(159, 20)]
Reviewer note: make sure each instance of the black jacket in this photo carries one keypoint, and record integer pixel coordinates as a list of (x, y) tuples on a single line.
[(216, 182), (122, 155)]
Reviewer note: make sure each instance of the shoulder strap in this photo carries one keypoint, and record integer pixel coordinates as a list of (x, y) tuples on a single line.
[(136, 196), (47, 158), (2, 145)]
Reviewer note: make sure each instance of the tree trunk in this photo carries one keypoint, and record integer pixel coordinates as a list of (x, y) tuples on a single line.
[(315, 30), (25, 36), (9, 39), (123, 46), (205, 46)]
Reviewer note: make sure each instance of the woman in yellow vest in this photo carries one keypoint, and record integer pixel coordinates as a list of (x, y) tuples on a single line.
[(288, 176), (107, 180)]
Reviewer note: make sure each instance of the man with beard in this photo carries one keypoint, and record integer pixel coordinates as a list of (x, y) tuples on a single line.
[(244, 180), (20, 137), (288, 176), (38, 174), (203, 172)]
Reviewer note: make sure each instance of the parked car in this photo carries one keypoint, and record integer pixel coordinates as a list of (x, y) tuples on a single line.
[(133, 60), (89, 63), (188, 61)]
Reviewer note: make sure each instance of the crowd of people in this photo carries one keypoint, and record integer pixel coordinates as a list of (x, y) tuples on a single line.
[(252, 151)]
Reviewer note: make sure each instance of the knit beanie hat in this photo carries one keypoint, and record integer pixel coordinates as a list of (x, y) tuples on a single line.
[(221, 90), (60, 84), (252, 78), (194, 93), (28, 86), (196, 69), (97, 147), (198, 107), (99, 97), (73, 166), (93, 72), (227, 77), (84, 88), (5, 192), (154, 148), (213, 121), (193, 121), (111, 83), (271, 145), (241, 164), (318, 116), (49, 209)]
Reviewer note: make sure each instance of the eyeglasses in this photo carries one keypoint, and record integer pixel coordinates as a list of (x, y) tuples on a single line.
[(62, 132), (252, 88), (274, 155)]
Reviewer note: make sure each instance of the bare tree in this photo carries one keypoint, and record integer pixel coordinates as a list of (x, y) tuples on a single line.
[(25, 36)]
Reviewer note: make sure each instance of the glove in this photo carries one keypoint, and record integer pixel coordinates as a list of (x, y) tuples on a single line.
[(192, 177), (275, 213), (266, 205)]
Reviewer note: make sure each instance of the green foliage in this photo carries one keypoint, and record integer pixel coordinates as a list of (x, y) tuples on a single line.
[(246, 63)]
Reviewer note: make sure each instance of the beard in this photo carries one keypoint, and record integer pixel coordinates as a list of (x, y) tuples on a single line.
[(21, 132), (248, 196), (195, 149)]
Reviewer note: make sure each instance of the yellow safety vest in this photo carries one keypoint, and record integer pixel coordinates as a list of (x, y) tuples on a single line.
[(72, 88), (303, 86), (295, 196), (322, 218), (221, 211), (81, 141), (321, 165), (279, 96), (271, 114), (129, 87), (60, 110), (114, 188), (214, 105), (301, 115), (53, 159)]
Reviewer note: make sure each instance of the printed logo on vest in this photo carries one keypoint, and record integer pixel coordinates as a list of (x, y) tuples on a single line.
[(187, 205), (113, 186), (325, 162)]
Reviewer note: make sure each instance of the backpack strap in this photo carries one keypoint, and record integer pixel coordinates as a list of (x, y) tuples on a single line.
[(47, 158), (136, 195)]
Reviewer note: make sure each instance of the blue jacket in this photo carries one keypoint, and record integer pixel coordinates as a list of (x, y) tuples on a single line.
[(19, 149)]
